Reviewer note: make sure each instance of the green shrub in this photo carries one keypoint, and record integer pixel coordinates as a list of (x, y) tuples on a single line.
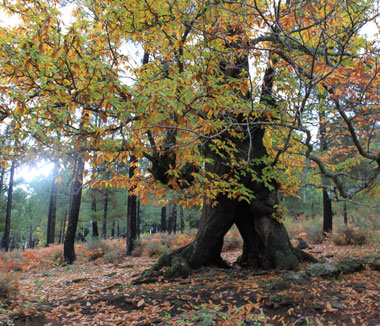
[(314, 231), (58, 257), (350, 236), (115, 256), (8, 289), (355, 236), (292, 227), (339, 239), (97, 248), (152, 248), (98, 244), (138, 248)]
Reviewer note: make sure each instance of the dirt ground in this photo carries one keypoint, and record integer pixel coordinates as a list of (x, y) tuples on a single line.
[(94, 293)]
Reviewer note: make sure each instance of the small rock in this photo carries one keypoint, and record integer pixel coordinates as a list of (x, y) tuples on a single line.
[(324, 270), (276, 301), (375, 266), (374, 322), (329, 256), (335, 304), (296, 278), (277, 285), (315, 306), (350, 265)]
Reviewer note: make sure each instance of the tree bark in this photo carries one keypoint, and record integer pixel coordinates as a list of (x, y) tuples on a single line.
[(138, 218), (7, 230), (182, 221), (75, 201), (174, 218), (131, 218), (163, 219), (63, 226), (170, 218), (52, 208), (105, 213), (94, 223), (326, 201), (327, 212), (345, 217), (2, 173), (113, 230)]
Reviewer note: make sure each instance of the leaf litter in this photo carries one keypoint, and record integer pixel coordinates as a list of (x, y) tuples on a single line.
[(95, 293)]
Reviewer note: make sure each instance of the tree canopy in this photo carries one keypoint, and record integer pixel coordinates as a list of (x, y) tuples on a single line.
[(222, 104), (77, 88)]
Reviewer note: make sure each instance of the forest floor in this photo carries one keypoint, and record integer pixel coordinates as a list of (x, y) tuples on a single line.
[(95, 293)]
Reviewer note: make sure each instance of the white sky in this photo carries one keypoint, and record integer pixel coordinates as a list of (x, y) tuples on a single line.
[(30, 172)]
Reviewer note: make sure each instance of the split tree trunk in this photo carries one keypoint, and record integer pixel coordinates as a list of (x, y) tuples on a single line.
[(265, 240)]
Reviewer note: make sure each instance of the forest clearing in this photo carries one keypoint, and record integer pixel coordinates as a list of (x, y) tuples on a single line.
[(97, 291)]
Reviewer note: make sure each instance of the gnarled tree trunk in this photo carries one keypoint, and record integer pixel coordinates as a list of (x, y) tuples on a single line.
[(265, 240)]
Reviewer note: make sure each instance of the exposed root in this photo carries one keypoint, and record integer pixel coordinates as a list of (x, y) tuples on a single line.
[(303, 256), (178, 266)]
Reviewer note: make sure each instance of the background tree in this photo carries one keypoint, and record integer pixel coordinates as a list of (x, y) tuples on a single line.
[(52, 207), (7, 229)]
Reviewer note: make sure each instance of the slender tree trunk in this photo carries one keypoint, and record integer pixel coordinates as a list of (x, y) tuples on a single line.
[(326, 201), (174, 218), (94, 223), (132, 205), (138, 218), (75, 201), (163, 219), (327, 212), (7, 230), (31, 229), (52, 208), (2, 173), (181, 218), (105, 213), (63, 226), (345, 217), (113, 230), (170, 218)]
